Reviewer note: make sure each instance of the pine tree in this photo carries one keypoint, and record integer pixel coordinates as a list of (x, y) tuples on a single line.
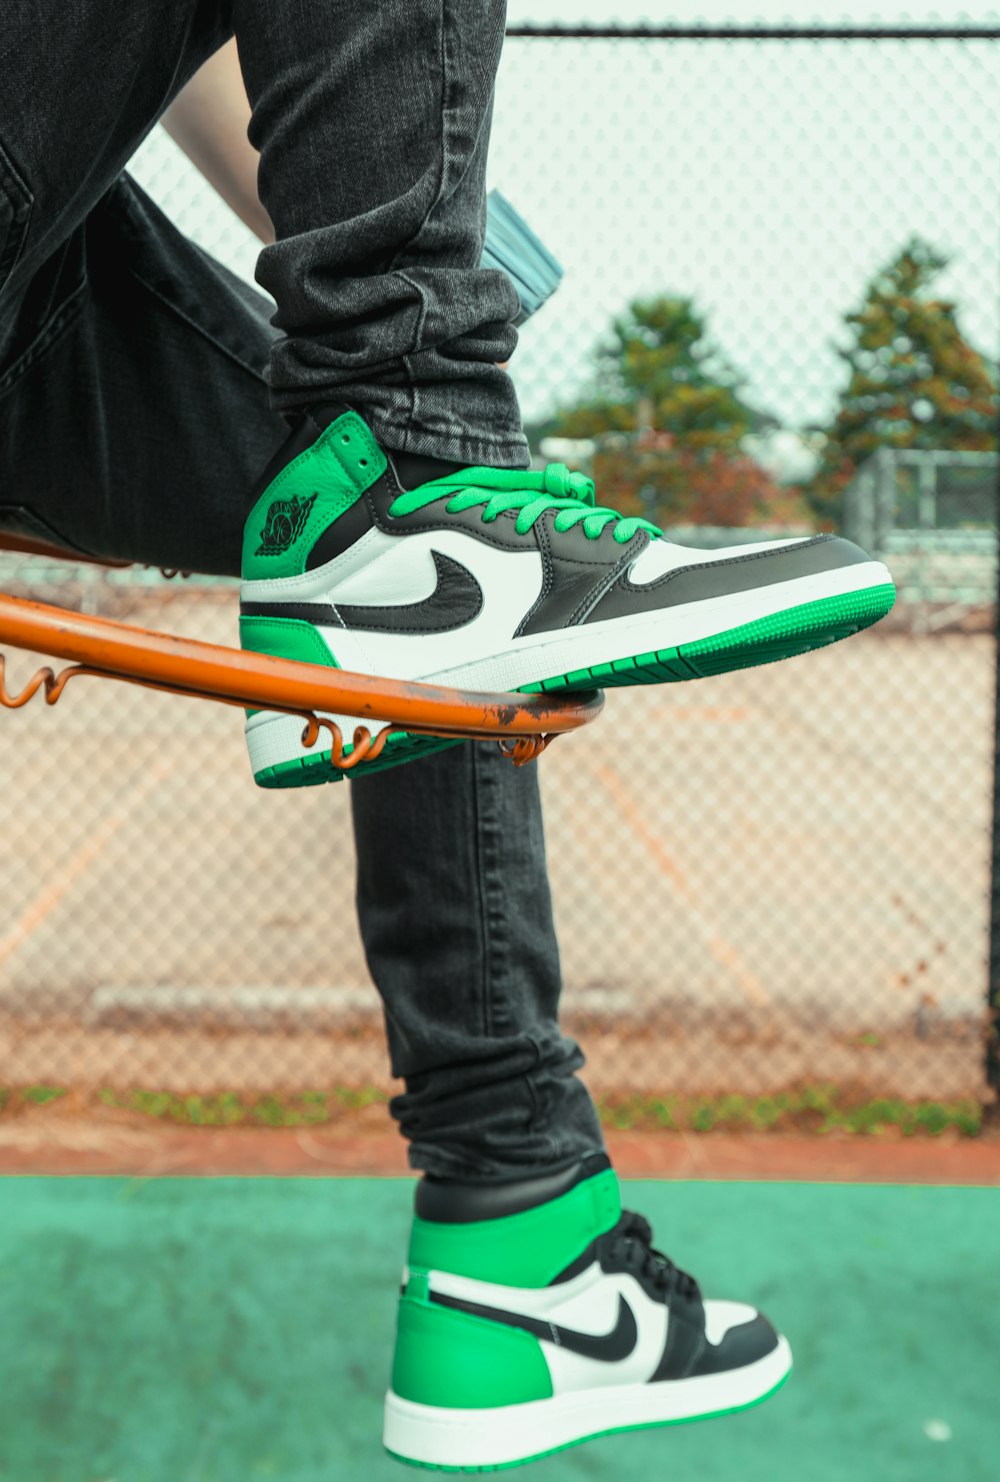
[(660, 369), (914, 380), (666, 390)]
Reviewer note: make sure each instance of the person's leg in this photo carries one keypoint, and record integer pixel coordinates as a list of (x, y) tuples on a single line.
[(130, 424), (373, 127), (456, 917), (373, 124), (80, 87), (129, 373), (133, 409)]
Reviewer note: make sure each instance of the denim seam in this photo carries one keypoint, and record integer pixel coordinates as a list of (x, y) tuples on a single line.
[(483, 913), (495, 920), (418, 337)]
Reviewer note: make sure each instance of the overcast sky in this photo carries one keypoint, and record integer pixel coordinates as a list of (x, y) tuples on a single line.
[(768, 181), (744, 12)]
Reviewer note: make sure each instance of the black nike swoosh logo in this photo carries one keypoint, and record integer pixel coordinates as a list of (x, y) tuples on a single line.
[(607, 1348), (456, 600)]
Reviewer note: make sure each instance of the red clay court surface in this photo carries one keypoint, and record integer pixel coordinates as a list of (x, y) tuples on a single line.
[(782, 870), (50, 1144)]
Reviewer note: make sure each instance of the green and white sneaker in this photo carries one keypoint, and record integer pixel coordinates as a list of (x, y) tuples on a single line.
[(493, 579), (535, 1316)]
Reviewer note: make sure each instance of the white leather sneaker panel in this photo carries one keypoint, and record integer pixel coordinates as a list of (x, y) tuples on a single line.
[(541, 1301), (721, 1316), (510, 584), (397, 572), (439, 1436), (537, 656), (313, 586), (661, 556), (589, 1303), (274, 738), (573, 1371)]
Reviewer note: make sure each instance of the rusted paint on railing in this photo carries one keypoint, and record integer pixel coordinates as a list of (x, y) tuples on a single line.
[(188, 666)]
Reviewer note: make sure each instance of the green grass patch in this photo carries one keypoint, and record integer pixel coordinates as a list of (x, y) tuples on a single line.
[(39, 1095), (817, 1109), (230, 1109), (811, 1109)]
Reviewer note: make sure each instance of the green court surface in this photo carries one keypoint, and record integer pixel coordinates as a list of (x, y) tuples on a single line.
[(226, 1330)]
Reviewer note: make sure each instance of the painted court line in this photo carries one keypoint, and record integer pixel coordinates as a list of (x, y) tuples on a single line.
[(58, 884), (718, 946)]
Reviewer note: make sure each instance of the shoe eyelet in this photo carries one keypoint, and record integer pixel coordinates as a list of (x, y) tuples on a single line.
[(345, 438), (363, 462)]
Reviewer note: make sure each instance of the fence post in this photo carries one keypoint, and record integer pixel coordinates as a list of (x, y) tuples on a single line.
[(993, 986)]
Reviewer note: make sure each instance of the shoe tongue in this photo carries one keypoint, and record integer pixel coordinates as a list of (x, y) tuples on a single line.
[(414, 469), (323, 413)]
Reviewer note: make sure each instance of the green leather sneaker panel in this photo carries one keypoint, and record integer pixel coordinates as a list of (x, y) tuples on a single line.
[(285, 638), (306, 497), (451, 1358), (526, 1249)]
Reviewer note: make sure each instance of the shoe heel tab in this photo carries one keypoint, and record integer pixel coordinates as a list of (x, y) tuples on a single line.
[(312, 489), (353, 445)]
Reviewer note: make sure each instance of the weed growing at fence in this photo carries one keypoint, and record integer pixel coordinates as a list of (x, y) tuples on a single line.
[(816, 1110)]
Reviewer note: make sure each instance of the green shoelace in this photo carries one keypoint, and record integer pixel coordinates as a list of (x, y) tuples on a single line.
[(531, 493)]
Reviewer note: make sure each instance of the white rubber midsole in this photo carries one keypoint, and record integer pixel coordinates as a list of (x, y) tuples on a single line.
[(273, 738), (543, 655), (444, 1437)]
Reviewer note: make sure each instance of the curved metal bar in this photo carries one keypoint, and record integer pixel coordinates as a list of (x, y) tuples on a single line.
[(189, 666)]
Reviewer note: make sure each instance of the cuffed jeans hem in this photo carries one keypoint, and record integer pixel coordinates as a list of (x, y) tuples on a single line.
[(507, 451), (541, 1128), (523, 1162)]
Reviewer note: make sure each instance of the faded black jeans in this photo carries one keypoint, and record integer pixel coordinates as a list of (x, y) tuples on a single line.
[(135, 413)]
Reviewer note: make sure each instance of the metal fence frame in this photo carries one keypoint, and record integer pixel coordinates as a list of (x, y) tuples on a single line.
[(831, 34), (763, 33)]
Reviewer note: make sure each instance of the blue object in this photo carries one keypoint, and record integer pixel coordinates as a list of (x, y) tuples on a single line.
[(512, 246)]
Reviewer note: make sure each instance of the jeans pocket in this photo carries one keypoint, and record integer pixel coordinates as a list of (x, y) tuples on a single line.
[(15, 208)]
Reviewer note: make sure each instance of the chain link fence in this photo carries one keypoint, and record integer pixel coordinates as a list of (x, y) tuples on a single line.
[(797, 889)]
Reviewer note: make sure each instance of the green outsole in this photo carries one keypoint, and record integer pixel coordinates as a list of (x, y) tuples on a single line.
[(613, 1430), (782, 635), (314, 770)]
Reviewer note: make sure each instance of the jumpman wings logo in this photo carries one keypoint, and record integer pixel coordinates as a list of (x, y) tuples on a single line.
[(285, 522), (606, 1348)]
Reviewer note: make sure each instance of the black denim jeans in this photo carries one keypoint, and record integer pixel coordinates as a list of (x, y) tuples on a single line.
[(135, 414)]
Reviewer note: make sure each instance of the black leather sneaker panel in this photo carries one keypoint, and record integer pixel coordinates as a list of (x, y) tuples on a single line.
[(500, 532), (461, 1201), (457, 599), (321, 614), (725, 578), (302, 436), (613, 1256), (742, 1345), (608, 1348), (576, 573), (414, 469), (587, 1257), (685, 1339), (341, 534)]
